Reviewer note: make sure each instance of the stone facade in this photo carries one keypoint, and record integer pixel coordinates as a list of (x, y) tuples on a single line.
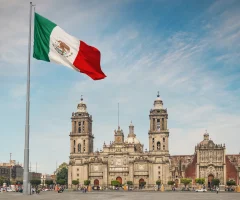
[(208, 161), (125, 159), (122, 160)]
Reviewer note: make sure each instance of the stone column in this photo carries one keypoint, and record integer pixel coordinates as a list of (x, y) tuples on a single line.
[(70, 176), (197, 165), (151, 123), (165, 123)]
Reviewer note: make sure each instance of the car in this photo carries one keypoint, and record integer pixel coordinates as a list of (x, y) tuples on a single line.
[(96, 187), (9, 190), (201, 190)]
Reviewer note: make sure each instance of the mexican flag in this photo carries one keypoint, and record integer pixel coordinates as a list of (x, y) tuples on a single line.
[(53, 44)]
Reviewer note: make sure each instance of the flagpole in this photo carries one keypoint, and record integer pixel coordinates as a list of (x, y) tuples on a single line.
[(26, 149)]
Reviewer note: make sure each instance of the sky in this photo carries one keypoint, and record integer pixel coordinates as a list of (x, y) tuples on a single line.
[(188, 50)]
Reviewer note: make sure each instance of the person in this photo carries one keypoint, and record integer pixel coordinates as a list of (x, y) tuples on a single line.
[(217, 189)]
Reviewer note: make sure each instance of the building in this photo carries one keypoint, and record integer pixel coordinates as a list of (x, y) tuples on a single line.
[(124, 159), (45, 177), (35, 176), (16, 171), (209, 161)]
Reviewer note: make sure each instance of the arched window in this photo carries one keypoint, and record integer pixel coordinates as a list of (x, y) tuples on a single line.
[(164, 139), (79, 148), (153, 147), (74, 150), (83, 142), (74, 142), (163, 147), (158, 124), (162, 123), (158, 146), (79, 129)]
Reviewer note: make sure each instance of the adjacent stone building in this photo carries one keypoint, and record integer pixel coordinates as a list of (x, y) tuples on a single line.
[(124, 159)]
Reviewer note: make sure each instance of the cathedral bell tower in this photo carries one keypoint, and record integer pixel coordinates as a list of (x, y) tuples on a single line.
[(158, 133), (119, 136), (81, 137)]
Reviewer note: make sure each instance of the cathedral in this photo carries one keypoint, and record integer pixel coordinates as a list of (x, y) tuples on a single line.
[(124, 159)]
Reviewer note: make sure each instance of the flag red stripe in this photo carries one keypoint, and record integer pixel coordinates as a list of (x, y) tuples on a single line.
[(88, 61)]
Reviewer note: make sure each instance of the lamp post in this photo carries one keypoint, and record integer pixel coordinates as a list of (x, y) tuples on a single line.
[(10, 173)]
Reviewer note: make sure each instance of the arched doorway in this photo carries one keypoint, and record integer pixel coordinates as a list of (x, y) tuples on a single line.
[(119, 179), (141, 183), (210, 178), (96, 182)]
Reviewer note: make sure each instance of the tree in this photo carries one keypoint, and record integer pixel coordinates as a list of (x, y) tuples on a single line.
[(170, 182), (115, 183), (1, 181), (63, 165), (215, 182), (35, 182), (61, 181), (231, 182), (87, 182), (186, 181), (158, 182), (19, 182), (129, 182), (49, 182), (62, 174), (200, 180), (75, 182)]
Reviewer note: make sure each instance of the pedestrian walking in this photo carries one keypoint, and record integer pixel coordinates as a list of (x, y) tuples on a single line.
[(217, 189)]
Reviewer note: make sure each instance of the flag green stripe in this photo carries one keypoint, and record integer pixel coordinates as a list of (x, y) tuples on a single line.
[(42, 31)]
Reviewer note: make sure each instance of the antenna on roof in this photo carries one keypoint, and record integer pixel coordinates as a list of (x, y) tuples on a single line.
[(118, 114)]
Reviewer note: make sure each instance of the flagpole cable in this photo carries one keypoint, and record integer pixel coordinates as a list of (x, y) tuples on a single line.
[(27, 126)]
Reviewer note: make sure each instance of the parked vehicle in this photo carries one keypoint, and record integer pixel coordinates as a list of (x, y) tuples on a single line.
[(201, 190)]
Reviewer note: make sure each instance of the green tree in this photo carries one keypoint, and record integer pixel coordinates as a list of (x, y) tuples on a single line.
[(170, 182), (61, 182), (87, 182), (231, 182), (186, 181), (129, 182), (3, 180), (49, 182), (35, 182), (75, 182), (200, 180), (115, 183), (215, 182), (63, 165), (62, 174), (158, 182), (19, 182)]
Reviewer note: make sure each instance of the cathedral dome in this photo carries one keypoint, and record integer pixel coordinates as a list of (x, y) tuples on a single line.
[(132, 140), (206, 141)]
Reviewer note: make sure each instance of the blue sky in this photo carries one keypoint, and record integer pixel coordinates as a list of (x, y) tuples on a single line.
[(187, 50)]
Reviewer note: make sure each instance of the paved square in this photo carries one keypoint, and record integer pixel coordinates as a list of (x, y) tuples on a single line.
[(117, 195)]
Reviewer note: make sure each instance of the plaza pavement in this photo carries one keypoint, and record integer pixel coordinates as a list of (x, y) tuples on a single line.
[(122, 195)]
